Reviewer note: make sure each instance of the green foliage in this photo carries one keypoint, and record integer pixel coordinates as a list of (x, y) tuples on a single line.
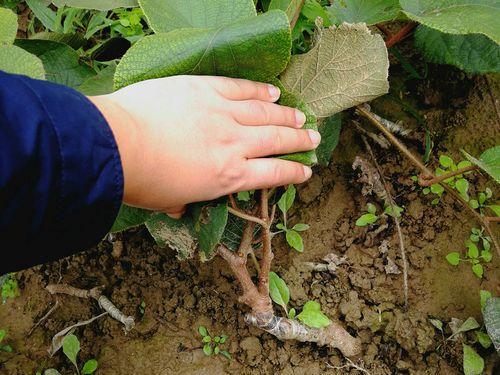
[(456, 16), (369, 218), (61, 62), (12, 58), (370, 12), (484, 296), (330, 135), (489, 161), (312, 316), (312, 10), (491, 316), (290, 7), (473, 53), (473, 364), (211, 229), (101, 84), (327, 78), (4, 347), (212, 345), (96, 4), (474, 255), (9, 287), (71, 348), (292, 235), (142, 308), (278, 290)]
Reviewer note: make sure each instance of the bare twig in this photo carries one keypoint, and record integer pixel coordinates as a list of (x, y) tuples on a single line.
[(349, 364), (425, 180), (95, 293), (492, 219), (267, 253), (493, 99), (297, 14), (44, 318), (417, 163), (390, 202), (246, 216), (232, 201), (401, 34)]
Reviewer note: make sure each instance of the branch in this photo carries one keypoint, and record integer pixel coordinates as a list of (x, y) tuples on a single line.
[(246, 216), (267, 254), (417, 163), (425, 180), (296, 15), (400, 35)]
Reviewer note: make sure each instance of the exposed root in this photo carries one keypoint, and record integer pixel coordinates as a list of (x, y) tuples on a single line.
[(334, 335), (349, 364), (44, 318), (95, 293)]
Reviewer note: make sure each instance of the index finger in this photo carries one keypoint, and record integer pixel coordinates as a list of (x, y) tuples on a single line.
[(243, 89)]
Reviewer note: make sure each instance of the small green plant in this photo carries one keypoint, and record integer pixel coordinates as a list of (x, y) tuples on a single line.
[(10, 288), (142, 308), (71, 347), (371, 216), (211, 345), (4, 347), (311, 314), (292, 235), (474, 254)]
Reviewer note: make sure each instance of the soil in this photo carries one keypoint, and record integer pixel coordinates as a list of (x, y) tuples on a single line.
[(180, 296)]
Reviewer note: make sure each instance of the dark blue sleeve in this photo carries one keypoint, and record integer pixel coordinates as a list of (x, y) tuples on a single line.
[(61, 179)]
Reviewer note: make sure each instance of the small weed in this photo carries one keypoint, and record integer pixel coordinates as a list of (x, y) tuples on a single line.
[(71, 347), (311, 314), (292, 235), (10, 288), (142, 308), (211, 345), (4, 347), (474, 255), (371, 217)]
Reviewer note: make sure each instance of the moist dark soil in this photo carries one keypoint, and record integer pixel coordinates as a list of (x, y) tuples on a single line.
[(364, 293)]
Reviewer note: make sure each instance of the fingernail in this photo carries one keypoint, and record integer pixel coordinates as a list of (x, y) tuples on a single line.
[(307, 172), (274, 92), (300, 118), (315, 136)]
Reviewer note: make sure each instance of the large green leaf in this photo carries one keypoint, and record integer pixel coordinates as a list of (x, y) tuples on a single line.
[(61, 62), (44, 14), (347, 66), (489, 161), (8, 26), (312, 315), (129, 217), (474, 53), (367, 11), (176, 234), (330, 134), (491, 316), (290, 7), (15, 60), (210, 228), (278, 290), (164, 16), (96, 4), (256, 48), (457, 16), (100, 84)]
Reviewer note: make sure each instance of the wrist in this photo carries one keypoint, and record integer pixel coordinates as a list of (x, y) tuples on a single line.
[(124, 129)]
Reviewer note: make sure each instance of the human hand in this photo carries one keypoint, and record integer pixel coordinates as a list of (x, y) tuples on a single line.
[(187, 139)]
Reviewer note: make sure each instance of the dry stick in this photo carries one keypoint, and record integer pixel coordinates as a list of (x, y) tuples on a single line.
[(296, 15), (417, 163), (493, 99), (393, 206), (44, 318), (425, 180), (400, 35), (95, 293)]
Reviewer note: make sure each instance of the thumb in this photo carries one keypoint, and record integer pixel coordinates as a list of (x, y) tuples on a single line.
[(175, 212)]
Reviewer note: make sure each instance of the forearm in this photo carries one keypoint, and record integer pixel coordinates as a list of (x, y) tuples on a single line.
[(61, 180)]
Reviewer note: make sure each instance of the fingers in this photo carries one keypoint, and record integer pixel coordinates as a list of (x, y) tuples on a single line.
[(255, 112), (275, 140), (266, 173), (242, 89)]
